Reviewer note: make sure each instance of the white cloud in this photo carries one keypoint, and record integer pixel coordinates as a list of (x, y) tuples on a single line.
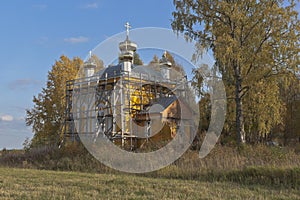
[(20, 118), (42, 40), (23, 83), (40, 6), (7, 118), (91, 6), (13, 133), (76, 40)]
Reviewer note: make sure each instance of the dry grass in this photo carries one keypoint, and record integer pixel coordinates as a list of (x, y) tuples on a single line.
[(41, 184), (223, 158)]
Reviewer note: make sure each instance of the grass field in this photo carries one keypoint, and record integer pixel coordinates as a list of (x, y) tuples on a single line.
[(41, 184)]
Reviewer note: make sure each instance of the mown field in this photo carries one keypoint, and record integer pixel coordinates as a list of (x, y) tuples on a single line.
[(42, 184)]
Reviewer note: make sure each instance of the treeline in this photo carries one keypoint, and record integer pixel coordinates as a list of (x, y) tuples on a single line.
[(268, 119), (256, 48)]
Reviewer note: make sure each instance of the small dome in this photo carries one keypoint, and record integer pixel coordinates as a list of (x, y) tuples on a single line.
[(164, 60), (90, 63), (127, 45)]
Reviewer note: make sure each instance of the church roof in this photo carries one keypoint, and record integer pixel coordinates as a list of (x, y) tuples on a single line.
[(111, 71), (146, 72), (165, 101), (149, 71)]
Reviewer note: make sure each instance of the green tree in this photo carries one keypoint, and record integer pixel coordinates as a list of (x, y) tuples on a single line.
[(154, 61), (137, 60), (255, 44), (291, 98), (263, 109), (47, 115)]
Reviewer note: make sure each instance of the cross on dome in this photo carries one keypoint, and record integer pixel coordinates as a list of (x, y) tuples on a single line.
[(127, 26)]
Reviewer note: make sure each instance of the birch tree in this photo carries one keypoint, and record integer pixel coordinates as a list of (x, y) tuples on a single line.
[(255, 44)]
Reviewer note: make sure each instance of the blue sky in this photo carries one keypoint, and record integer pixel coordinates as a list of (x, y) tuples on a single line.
[(36, 33)]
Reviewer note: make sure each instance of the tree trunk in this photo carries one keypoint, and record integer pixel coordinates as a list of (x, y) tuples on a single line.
[(241, 135)]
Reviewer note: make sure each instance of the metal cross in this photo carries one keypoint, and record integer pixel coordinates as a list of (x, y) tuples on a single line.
[(127, 26)]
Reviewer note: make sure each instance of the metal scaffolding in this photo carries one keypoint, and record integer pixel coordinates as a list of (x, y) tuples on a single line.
[(117, 102), (119, 99)]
